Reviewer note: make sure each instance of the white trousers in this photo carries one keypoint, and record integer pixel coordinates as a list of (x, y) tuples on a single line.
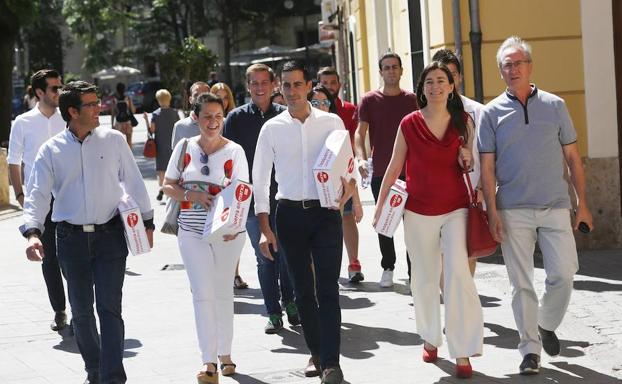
[(426, 237), (211, 268), (552, 229)]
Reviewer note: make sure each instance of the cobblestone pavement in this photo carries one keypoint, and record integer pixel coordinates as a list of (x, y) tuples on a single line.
[(379, 341)]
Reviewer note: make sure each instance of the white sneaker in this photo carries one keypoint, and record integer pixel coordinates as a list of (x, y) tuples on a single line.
[(386, 281)]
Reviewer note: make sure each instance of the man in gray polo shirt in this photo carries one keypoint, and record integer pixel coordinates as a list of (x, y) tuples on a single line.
[(525, 136), (188, 127)]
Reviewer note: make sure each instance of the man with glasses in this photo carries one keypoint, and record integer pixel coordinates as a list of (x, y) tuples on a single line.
[(380, 112), (87, 169), (242, 126), (329, 78), (29, 131), (525, 136)]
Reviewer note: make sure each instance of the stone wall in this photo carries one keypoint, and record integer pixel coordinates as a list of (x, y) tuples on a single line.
[(603, 195)]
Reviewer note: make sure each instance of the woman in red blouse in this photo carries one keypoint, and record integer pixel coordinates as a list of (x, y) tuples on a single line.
[(430, 143)]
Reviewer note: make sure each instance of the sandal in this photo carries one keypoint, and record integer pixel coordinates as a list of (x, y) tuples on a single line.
[(238, 283), (227, 369), (205, 377)]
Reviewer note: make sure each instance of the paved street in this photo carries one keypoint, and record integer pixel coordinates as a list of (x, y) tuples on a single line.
[(379, 343)]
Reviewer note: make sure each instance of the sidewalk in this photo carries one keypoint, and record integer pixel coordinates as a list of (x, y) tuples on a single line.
[(379, 343)]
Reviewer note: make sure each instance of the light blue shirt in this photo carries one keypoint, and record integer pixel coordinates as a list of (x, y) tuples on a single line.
[(86, 179), (184, 129)]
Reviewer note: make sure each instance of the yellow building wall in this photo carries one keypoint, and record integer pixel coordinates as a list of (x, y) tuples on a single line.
[(551, 27), (401, 40)]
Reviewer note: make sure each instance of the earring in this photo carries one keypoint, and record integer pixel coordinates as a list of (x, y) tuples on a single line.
[(422, 98), (451, 96)]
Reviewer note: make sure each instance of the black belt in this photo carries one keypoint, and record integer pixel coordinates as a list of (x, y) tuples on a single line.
[(303, 204), (113, 223)]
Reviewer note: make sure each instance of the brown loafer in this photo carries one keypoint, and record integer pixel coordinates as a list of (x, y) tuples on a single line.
[(313, 367)]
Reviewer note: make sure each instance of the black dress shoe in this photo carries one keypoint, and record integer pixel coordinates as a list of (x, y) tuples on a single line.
[(60, 321), (550, 342), (313, 367), (92, 378)]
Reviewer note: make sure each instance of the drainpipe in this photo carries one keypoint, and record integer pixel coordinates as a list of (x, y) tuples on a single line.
[(455, 5), (476, 47), (425, 32)]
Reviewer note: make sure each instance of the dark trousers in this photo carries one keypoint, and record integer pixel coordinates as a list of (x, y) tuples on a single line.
[(387, 247), (270, 273), (314, 236), (50, 267), (96, 259)]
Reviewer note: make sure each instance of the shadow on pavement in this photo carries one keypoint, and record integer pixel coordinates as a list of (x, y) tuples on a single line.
[(596, 286), (244, 308), (357, 340), (373, 287), (489, 301), (346, 302), (508, 338), (68, 344), (245, 379)]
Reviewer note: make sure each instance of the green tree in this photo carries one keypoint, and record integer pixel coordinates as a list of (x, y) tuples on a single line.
[(44, 38), (13, 14)]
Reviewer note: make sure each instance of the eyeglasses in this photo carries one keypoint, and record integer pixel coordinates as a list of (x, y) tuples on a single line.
[(205, 168), (318, 103), (55, 88), (507, 66), (93, 104)]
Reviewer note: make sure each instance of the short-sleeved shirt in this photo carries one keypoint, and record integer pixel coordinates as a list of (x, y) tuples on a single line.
[(227, 163), (433, 175), (527, 141), (348, 114), (383, 114)]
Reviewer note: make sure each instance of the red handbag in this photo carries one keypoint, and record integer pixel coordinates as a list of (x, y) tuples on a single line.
[(479, 239), (150, 150)]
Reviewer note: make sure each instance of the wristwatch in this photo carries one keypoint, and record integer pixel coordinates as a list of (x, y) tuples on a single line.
[(186, 192)]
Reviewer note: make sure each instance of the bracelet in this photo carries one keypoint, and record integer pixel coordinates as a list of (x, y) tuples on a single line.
[(21, 194), (186, 192)]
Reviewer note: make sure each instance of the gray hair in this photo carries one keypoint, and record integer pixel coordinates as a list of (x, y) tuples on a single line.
[(516, 43)]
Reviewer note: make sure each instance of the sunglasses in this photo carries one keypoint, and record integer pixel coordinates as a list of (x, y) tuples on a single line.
[(205, 168), (55, 88), (318, 103)]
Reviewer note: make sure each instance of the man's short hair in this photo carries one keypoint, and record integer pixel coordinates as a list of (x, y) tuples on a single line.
[(258, 68), (206, 98), (516, 43), (71, 96), (387, 56), (163, 96), (39, 79), (197, 85), (446, 57), (296, 65), (327, 71)]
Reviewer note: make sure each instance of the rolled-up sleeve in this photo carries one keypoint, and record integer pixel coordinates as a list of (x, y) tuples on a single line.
[(16, 144), (262, 169), (130, 176), (40, 185)]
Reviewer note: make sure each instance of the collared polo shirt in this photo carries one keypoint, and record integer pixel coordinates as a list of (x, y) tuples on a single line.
[(293, 147), (527, 141), (28, 132)]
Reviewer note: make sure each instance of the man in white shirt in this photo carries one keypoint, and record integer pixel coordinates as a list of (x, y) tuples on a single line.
[(307, 232), (29, 131), (188, 127), (87, 170)]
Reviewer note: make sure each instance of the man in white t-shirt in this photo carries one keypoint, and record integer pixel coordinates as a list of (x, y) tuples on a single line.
[(28, 132)]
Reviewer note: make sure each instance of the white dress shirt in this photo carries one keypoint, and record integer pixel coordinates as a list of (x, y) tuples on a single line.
[(474, 109), (28, 132), (293, 148), (85, 179)]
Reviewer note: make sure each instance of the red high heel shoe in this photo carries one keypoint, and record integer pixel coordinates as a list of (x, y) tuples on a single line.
[(430, 356), (464, 371)]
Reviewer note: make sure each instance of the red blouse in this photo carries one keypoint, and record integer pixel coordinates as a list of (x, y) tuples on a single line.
[(433, 175)]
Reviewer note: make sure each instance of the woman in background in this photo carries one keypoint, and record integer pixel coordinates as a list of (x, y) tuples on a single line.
[(223, 91), (120, 117)]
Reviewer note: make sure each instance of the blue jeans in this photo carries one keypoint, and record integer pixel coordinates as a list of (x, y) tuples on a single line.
[(270, 272), (315, 236), (96, 259)]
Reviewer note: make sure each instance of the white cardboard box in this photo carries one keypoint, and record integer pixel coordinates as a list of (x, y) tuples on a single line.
[(335, 160), (135, 233), (229, 211), (392, 209)]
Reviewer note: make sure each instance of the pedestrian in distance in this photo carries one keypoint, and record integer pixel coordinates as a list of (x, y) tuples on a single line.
[(120, 115), (277, 98), (352, 211), (430, 144), (211, 162), (161, 126), (379, 113), (28, 132), (310, 235), (88, 170), (223, 91), (526, 135), (242, 126), (188, 127)]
